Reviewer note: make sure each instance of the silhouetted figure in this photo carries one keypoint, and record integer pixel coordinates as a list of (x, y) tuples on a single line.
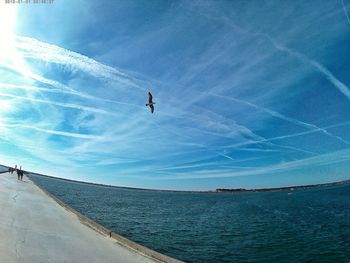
[(21, 174), (18, 174), (150, 102)]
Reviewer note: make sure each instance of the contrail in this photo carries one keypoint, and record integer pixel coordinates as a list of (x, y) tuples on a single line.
[(61, 88), (54, 132), (346, 13), (73, 93), (322, 159), (247, 132), (281, 116), (65, 105), (337, 83), (258, 150), (207, 164), (320, 68), (33, 88), (295, 149), (291, 135), (33, 48), (29, 74), (225, 155)]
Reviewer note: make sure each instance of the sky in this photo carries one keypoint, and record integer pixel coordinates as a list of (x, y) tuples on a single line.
[(249, 94)]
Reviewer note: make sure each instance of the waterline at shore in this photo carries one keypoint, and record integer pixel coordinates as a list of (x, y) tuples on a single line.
[(35, 228)]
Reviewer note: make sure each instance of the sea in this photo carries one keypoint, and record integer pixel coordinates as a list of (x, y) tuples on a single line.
[(310, 225)]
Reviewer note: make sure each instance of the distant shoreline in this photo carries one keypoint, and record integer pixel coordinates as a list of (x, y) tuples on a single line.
[(285, 188), (218, 190)]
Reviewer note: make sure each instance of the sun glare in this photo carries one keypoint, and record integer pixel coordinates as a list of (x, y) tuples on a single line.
[(8, 20), (9, 56), (5, 105)]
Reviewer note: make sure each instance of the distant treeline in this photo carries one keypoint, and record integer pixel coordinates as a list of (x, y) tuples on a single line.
[(232, 190), (289, 188)]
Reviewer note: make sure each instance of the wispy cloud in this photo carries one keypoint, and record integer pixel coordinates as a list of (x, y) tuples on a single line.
[(225, 87), (64, 105), (315, 64), (292, 135), (320, 160), (282, 117), (33, 48), (53, 132)]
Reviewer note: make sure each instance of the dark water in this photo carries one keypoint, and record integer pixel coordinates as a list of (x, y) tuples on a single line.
[(3, 169), (307, 226)]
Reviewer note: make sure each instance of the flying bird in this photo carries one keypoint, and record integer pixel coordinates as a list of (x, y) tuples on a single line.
[(150, 102)]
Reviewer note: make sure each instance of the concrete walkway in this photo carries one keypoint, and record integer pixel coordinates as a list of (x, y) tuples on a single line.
[(35, 229)]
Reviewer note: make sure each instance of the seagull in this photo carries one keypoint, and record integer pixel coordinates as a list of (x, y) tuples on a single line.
[(150, 102)]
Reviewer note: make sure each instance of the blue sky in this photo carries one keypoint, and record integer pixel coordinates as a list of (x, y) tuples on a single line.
[(248, 93)]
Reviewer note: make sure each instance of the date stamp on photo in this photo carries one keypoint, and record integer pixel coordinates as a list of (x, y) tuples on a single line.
[(29, 1)]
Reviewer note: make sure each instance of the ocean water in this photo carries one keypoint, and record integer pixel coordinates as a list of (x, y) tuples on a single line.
[(305, 226), (3, 169)]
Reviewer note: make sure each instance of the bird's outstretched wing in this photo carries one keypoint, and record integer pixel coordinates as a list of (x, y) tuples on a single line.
[(150, 98), (152, 107)]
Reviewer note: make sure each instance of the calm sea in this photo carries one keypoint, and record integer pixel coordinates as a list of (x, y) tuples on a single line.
[(306, 226)]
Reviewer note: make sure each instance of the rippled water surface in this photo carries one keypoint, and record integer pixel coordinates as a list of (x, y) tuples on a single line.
[(304, 226)]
